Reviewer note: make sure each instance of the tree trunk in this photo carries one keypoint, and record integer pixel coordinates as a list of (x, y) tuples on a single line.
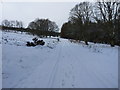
[(86, 42)]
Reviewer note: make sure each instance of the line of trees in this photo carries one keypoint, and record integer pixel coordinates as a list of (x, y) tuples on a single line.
[(97, 22), (40, 27), (12, 23), (94, 22)]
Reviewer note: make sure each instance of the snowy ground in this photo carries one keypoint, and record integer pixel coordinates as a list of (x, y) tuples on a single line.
[(57, 64)]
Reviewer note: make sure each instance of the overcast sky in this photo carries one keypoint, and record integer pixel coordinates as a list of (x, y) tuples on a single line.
[(29, 11)]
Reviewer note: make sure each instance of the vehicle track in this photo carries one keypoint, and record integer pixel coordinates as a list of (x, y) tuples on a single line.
[(55, 68)]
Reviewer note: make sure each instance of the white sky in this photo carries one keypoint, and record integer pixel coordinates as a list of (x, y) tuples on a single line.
[(28, 11)]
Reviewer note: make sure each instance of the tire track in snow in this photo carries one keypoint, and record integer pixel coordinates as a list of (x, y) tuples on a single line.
[(94, 75), (55, 68), (68, 76), (105, 81)]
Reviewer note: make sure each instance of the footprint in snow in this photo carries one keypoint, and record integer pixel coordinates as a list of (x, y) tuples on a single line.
[(73, 85), (63, 83)]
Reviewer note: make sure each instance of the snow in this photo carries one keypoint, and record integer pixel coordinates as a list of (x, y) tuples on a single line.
[(57, 64)]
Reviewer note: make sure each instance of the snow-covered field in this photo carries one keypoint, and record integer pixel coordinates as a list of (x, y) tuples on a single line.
[(57, 64)]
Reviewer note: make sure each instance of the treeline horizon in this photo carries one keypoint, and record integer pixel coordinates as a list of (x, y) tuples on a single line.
[(48, 28), (97, 22)]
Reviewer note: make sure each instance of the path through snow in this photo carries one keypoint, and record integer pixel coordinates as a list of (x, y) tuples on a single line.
[(68, 65)]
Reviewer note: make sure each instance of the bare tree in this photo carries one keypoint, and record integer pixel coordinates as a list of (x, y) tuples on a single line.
[(32, 25), (107, 10), (108, 13), (82, 15), (53, 26), (82, 12), (6, 23), (16, 24), (44, 25)]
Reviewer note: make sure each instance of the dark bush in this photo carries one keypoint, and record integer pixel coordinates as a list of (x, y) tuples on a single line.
[(36, 42), (40, 42), (30, 44), (35, 39)]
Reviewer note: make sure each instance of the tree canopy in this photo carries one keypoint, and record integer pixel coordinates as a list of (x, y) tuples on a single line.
[(44, 25)]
